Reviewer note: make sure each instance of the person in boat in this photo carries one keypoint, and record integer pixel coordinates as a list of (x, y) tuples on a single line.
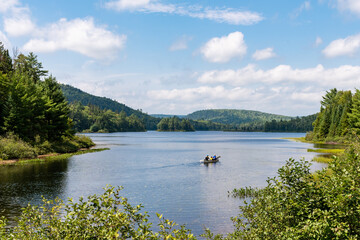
[(207, 158), (214, 157)]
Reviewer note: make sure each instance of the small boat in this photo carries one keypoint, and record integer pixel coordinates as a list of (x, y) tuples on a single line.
[(211, 160)]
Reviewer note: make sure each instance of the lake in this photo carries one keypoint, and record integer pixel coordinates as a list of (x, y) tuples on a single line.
[(162, 171)]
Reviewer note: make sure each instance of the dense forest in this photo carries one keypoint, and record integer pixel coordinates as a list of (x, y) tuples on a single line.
[(299, 124), (339, 117), (175, 124), (235, 117), (74, 95), (34, 115), (92, 118)]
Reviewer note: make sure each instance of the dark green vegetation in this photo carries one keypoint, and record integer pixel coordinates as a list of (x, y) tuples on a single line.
[(93, 119), (254, 121), (339, 118), (106, 216), (299, 124), (235, 117), (175, 124), (34, 115), (75, 96), (299, 205)]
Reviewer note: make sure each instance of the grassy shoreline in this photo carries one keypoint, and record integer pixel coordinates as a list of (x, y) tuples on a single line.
[(49, 157), (326, 155)]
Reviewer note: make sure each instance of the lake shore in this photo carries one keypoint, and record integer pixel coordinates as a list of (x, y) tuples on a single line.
[(50, 157)]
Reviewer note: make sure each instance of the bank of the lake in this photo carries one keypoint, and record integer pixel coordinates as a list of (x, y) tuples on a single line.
[(160, 170), (50, 157)]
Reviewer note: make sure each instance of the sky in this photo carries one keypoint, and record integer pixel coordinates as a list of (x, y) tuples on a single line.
[(177, 57)]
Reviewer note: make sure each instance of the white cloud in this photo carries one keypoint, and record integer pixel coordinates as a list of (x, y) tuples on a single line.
[(17, 19), (343, 47), (180, 44), (343, 76), (6, 5), (318, 41), (225, 48), (264, 54), (19, 25), (349, 5), (78, 35), (228, 15), (202, 92)]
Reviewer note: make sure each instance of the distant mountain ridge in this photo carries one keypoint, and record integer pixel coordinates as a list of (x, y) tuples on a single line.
[(73, 95), (234, 116), (243, 120)]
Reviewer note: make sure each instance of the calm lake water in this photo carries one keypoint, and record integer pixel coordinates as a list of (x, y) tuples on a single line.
[(161, 170)]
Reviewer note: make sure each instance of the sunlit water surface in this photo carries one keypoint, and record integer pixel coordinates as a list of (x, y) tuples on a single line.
[(162, 171)]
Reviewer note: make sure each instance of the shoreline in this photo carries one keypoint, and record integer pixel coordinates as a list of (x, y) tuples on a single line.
[(50, 157)]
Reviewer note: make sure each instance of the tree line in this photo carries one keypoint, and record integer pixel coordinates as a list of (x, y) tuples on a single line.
[(339, 117), (32, 105), (92, 118)]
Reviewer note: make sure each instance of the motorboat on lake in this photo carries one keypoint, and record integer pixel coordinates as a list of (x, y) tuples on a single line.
[(211, 160)]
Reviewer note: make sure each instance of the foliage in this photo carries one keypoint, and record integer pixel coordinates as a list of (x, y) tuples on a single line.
[(74, 96), (301, 205), (337, 115), (33, 108), (175, 124), (106, 216), (11, 147), (234, 117), (299, 124), (93, 119)]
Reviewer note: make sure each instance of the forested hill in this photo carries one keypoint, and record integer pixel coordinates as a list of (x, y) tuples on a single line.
[(235, 117), (73, 95)]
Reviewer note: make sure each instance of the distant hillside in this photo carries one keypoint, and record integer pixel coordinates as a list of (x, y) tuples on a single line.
[(237, 117), (73, 94), (166, 116)]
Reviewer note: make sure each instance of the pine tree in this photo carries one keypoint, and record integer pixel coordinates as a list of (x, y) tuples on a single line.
[(354, 115)]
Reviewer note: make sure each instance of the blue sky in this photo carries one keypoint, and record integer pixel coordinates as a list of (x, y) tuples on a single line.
[(176, 57)]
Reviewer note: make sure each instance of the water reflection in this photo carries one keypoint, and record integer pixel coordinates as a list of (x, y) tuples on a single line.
[(23, 184)]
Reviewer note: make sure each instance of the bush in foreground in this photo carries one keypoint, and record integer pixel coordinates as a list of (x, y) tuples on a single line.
[(106, 216), (301, 205)]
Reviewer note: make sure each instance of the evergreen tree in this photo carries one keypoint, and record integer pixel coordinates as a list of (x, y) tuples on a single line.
[(5, 60), (354, 115)]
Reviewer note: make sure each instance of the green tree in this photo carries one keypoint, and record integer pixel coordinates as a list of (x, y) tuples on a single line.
[(354, 115), (5, 60)]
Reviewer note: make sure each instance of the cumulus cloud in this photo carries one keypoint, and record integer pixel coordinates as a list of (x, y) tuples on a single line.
[(264, 54), (224, 48), (227, 15), (180, 44), (19, 25), (343, 76), (78, 35), (343, 47), (349, 5), (17, 19), (203, 92), (6, 5)]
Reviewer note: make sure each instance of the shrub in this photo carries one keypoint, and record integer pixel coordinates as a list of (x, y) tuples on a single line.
[(11, 147), (106, 216), (84, 141)]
